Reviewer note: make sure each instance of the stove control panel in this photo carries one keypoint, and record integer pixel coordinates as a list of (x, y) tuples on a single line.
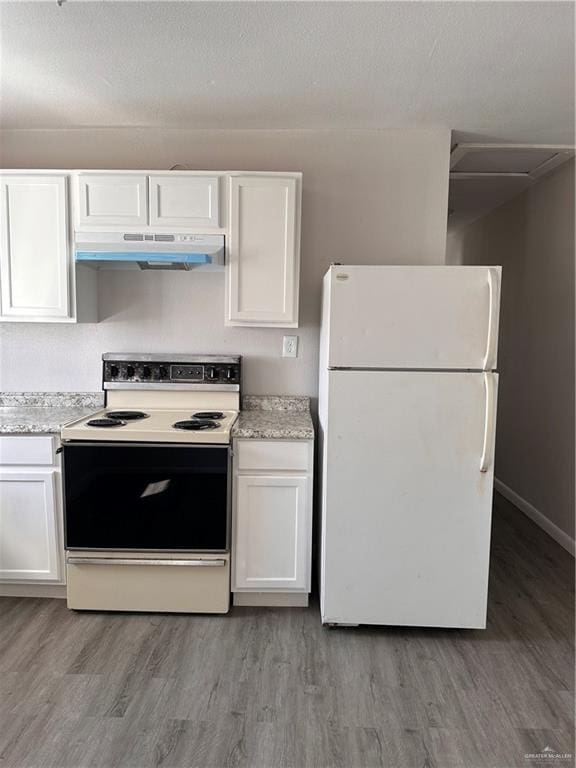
[(187, 372), (153, 370)]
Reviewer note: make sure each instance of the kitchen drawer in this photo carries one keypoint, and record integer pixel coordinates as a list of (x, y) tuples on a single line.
[(28, 450), (98, 584), (264, 455)]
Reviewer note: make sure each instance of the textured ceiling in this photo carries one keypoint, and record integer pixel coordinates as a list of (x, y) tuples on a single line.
[(500, 71)]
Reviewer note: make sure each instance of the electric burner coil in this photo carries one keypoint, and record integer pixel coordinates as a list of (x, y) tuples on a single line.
[(127, 415), (105, 422), (196, 425)]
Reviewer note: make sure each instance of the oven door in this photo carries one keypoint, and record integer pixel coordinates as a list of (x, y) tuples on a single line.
[(146, 497)]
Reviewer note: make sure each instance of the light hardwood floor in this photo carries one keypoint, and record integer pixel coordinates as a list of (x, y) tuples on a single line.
[(271, 687)]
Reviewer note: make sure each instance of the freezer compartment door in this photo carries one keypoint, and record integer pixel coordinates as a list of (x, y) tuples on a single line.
[(412, 317), (407, 497)]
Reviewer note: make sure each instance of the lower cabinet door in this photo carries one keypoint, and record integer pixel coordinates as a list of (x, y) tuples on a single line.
[(29, 541), (271, 533)]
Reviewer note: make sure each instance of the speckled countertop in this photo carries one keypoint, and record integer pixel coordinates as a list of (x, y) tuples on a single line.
[(44, 412), (281, 417), (262, 417)]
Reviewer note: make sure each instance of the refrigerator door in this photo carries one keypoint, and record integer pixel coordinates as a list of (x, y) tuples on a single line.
[(411, 317), (406, 497)]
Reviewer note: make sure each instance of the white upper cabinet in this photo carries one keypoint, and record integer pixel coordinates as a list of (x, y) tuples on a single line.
[(184, 201), (112, 200), (34, 256), (263, 251), (258, 213), (155, 200)]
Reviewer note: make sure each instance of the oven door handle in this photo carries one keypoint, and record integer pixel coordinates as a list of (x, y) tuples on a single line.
[(199, 562)]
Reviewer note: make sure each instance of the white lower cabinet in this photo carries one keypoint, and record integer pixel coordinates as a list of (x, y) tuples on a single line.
[(271, 541), (31, 542), (272, 522)]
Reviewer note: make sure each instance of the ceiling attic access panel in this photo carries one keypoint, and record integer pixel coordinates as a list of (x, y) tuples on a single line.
[(533, 160), (484, 176)]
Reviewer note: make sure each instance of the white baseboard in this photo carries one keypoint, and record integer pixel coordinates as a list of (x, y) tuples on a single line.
[(534, 514), (33, 590), (274, 599)]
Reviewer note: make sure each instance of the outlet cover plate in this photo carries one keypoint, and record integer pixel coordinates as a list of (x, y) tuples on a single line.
[(290, 346)]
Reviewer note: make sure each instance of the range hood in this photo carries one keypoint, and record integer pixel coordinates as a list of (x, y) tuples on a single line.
[(160, 250)]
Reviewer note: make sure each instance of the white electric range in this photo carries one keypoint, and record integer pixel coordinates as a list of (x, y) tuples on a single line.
[(147, 486)]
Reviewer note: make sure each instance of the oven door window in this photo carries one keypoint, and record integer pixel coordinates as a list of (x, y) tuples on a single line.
[(146, 497)]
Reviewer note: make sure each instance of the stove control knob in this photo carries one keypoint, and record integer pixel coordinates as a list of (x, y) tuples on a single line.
[(164, 372), (130, 371), (146, 372), (230, 374), (212, 374), (114, 371)]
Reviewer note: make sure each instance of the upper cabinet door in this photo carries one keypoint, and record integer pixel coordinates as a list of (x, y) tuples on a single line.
[(34, 247), (263, 251), (112, 200), (184, 201)]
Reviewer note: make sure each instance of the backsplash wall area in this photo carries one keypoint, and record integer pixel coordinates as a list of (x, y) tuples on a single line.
[(374, 197)]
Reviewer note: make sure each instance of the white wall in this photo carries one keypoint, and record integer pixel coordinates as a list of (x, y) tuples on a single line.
[(368, 197), (533, 238)]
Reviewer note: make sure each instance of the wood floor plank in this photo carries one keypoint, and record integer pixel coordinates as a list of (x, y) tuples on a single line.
[(272, 688)]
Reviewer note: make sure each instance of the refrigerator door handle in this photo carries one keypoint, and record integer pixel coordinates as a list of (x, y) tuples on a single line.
[(493, 308), (489, 422)]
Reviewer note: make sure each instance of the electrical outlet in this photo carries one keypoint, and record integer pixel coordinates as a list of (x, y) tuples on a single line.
[(290, 346)]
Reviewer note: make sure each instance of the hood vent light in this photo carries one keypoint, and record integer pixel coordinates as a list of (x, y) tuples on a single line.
[(111, 250), (164, 238)]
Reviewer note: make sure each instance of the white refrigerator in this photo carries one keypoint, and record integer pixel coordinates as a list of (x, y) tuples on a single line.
[(407, 411)]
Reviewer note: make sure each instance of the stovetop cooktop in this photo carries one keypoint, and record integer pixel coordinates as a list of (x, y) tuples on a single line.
[(156, 425)]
